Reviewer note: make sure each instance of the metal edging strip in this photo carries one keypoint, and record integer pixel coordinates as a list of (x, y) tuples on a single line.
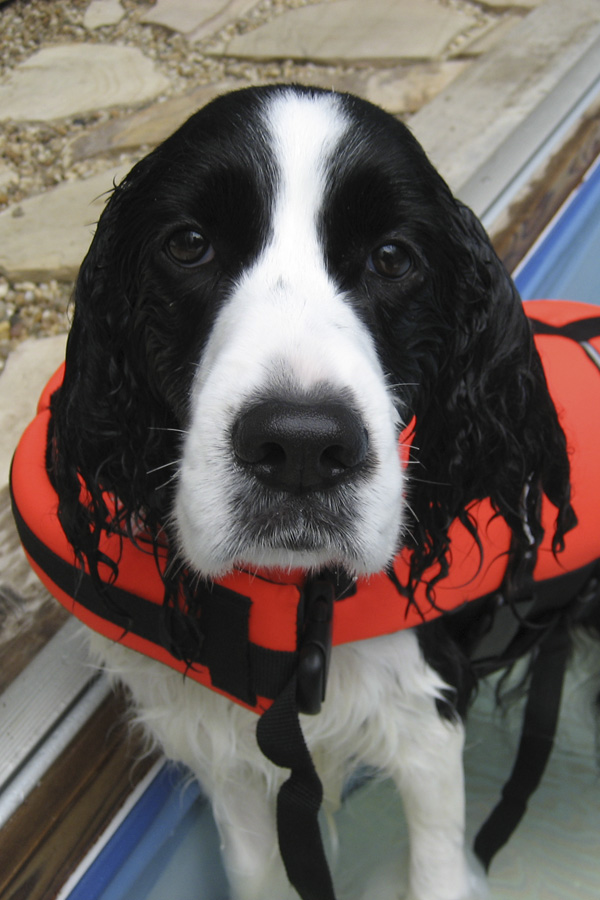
[(42, 710), (492, 187)]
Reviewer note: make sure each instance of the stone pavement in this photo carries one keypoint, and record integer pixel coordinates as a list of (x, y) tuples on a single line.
[(399, 53)]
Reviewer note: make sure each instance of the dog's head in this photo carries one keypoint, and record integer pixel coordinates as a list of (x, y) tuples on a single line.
[(270, 297)]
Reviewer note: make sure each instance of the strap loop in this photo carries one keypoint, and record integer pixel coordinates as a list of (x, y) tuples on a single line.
[(537, 740), (280, 738)]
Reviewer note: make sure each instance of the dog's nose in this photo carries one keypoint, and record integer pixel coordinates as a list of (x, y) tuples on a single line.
[(298, 447)]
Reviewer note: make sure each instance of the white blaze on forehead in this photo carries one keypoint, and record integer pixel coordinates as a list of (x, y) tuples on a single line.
[(292, 305), (285, 306), (305, 132)]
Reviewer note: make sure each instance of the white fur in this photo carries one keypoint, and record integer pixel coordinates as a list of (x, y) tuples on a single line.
[(286, 320)]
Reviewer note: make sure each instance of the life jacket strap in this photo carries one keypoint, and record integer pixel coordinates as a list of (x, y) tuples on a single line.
[(219, 640), (280, 738), (577, 330), (537, 740), (518, 624)]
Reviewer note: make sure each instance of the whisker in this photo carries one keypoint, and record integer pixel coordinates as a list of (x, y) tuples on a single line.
[(411, 511), (164, 428), (168, 481), (166, 465), (412, 447), (408, 531), (426, 481)]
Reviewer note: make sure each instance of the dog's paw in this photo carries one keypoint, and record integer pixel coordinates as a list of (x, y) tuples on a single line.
[(474, 887), (390, 883), (478, 887)]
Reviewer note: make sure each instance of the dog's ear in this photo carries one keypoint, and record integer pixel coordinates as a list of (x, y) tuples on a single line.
[(488, 427), (110, 430)]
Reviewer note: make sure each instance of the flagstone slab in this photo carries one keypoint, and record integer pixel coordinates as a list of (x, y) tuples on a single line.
[(103, 12), (197, 19), (145, 128), (7, 175), (355, 30), (76, 78), (525, 4), (407, 90), (497, 31), (47, 236)]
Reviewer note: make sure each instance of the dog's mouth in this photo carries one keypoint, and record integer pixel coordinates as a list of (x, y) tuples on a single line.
[(298, 525), (284, 532)]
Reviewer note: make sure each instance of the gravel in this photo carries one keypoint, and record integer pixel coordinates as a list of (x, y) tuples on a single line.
[(31, 310)]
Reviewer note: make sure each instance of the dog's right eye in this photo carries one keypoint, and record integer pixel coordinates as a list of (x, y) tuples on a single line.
[(390, 261), (189, 247)]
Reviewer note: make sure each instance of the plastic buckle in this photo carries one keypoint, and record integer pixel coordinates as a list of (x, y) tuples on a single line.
[(315, 646)]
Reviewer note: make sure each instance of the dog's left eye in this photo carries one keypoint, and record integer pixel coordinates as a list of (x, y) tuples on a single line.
[(390, 261), (189, 248)]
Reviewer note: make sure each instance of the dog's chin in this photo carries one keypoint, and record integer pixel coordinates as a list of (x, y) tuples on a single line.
[(284, 562)]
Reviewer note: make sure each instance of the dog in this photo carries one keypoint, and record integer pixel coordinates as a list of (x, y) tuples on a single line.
[(271, 298)]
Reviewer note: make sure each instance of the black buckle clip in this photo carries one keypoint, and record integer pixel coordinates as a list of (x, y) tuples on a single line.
[(315, 646)]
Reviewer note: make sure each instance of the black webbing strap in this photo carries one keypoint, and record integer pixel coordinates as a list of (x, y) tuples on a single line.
[(578, 330), (280, 738), (518, 626), (299, 799), (537, 739)]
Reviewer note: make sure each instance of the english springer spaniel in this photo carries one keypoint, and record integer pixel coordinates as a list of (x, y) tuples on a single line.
[(272, 296)]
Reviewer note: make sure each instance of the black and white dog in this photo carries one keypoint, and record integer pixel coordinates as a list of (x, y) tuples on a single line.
[(271, 296)]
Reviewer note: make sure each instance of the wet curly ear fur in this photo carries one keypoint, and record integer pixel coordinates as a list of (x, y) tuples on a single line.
[(485, 423), (112, 428)]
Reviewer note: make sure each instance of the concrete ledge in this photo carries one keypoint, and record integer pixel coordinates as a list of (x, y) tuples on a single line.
[(496, 183), (469, 121)]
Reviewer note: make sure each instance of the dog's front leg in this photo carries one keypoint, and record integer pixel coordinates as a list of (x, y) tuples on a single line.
[(391, 694), (430, 779)]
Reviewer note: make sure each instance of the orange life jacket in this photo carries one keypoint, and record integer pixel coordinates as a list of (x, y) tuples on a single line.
[(268, 616)]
